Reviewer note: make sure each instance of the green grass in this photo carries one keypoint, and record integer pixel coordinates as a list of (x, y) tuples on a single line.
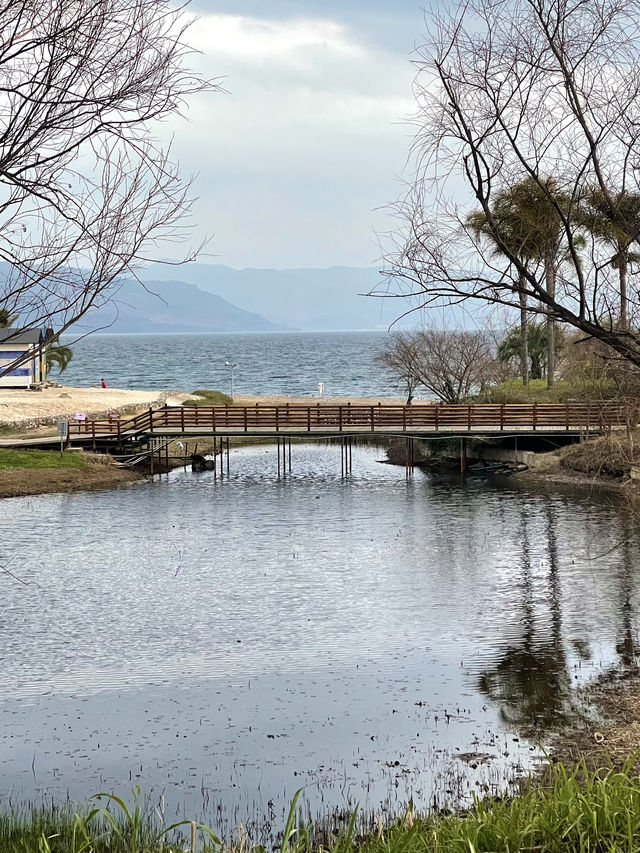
[(570, 811), (574, 812), (103, 827), (564, 390), (39, 459), (209, 397)]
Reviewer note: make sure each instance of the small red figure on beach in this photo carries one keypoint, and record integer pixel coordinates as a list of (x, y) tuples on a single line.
[(103, 384)]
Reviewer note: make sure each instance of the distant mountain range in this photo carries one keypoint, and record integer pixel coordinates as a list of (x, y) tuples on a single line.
[(308, 299), (172, 306), (216, 298)]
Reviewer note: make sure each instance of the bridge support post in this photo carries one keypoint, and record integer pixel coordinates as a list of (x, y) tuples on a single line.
[(215, 457), (463, 455), (228, 460), (278, 443), (409, 455), (151, 449)]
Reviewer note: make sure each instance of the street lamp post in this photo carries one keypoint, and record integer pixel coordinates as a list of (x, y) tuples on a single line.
[(232, 365)]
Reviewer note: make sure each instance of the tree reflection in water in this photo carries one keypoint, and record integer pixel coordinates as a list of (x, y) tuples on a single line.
[(626, 645), (530, 682)]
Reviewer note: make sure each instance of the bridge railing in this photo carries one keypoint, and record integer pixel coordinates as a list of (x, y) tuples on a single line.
[(436, 417)]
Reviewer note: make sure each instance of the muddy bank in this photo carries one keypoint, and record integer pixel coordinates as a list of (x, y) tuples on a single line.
[(606, 729), (567, 477), (18, 482)]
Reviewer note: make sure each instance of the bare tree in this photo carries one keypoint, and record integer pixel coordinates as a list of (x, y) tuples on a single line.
[(538, 91), (449, 364), (86, 191), (401, 358)]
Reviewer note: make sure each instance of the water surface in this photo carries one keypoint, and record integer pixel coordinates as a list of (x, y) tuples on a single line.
[(267, 363), (368, 640)]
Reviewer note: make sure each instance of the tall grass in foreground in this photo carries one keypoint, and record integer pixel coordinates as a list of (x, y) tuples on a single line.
[(574, 810)]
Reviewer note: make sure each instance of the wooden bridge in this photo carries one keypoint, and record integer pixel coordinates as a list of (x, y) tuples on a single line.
[(321, 420)]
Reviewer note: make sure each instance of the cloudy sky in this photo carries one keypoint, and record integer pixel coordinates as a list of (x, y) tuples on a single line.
[(312, 138)]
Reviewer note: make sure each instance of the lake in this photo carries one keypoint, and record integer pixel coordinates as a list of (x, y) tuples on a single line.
[(278, 363), (369, 640)]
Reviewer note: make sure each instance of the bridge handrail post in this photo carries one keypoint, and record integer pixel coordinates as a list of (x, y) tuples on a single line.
[(339, 418), (308, 418), (501, 417), (535, 416), (404, 419), (277, 420), (150, 413), (468, 417), (566, 414), (245, 418), (373, 424), (437, 413), (213, 419), (182, 418)]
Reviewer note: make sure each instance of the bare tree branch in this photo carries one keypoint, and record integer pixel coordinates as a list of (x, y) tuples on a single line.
[(515, 91), (86, 191)]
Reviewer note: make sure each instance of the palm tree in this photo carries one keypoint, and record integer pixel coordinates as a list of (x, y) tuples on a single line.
[(532, 209), (6, 319), (479, 224), (527, 222), (536, 348), (616, 221), (59, 355)]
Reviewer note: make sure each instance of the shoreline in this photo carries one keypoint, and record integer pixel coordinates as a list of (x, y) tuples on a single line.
[(93, 475), (605, 730)]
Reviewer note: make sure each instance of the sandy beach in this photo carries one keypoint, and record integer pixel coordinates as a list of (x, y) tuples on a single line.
[(30, 409)]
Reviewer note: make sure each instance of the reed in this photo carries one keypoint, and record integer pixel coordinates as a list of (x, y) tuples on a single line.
[(574, 810)]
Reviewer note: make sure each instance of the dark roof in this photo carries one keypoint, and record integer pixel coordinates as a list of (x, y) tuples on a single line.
[(21, 336)]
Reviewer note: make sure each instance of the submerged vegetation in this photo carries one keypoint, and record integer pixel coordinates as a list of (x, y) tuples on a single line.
[(572, 811)]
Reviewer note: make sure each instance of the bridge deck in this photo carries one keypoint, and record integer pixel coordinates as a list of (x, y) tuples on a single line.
[(329, 420)]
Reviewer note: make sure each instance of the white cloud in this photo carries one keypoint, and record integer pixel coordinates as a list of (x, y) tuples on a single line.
[(296, 158), (253, 40)]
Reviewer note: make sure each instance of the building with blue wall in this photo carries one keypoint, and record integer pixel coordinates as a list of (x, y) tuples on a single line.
[(27, 344)]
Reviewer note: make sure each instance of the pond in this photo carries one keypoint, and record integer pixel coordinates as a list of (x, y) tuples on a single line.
[(224, 643)]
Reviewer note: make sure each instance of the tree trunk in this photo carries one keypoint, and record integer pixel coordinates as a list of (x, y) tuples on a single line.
[(550, 280), (623, 324), (524, 332)]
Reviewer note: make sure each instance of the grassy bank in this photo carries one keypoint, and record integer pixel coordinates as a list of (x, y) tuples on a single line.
[(40, 459), (34, 472), (573, 811)]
